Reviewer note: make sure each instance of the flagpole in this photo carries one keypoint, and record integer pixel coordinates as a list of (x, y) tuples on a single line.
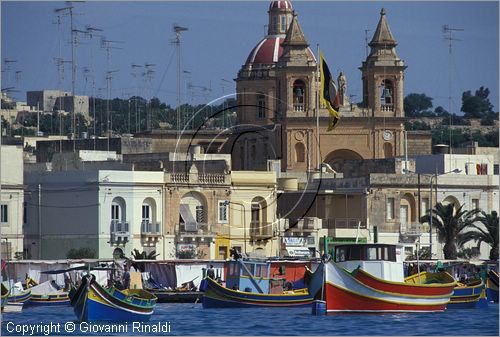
[(317, 110)]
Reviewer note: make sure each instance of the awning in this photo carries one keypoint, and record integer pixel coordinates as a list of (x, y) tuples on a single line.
[(190, 224)]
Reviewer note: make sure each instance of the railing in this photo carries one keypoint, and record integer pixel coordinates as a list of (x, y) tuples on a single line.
[(179, 177), (298, 107), (200, 228), (150, 227), (119, 232), (352, 223), (413, 228), (205, 178), (261, 230), (387, 108)]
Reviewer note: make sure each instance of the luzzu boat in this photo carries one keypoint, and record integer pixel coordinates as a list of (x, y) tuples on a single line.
[(492, 286), (468, 296), (92, 302), (4, 295), (370, 278), (48, 293), (18, 294), (259, 289)]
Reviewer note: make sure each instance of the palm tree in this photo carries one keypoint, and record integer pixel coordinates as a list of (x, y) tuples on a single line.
[(487, 233), (449, 225)]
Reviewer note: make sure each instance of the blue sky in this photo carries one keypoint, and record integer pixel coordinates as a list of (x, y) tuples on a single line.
[(222, 34)]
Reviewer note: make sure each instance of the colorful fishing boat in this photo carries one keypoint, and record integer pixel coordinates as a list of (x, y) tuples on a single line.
[(92, 302), (48, 293), (468, 296), (370, 278), (18, 294), (4, 296), (492, 286), (258, 287)]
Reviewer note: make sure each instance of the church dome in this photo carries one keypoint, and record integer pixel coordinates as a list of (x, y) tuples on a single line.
[(281, 4), (267, 51)]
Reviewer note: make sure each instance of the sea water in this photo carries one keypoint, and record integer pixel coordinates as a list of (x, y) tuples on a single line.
[(192, 319)]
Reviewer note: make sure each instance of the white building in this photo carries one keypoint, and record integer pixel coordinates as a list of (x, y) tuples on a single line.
[(105, 211), (11, 202)]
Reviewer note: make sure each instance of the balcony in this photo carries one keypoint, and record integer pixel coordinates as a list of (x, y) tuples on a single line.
[(305, 225), (387, 108), (409, 232), (194, 232), (261, 230), (150, 232), (120, 234)]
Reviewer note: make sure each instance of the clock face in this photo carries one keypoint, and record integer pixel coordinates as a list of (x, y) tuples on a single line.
[(387, 135)]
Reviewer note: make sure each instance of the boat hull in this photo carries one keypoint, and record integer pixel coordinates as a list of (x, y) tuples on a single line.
[(492, 286), (360, 292), (467, 297), (217, 296), (176, 296), (92, 302), (62, 299), (23, 297)]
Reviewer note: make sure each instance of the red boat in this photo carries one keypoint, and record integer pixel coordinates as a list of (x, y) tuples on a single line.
[(370, 278)]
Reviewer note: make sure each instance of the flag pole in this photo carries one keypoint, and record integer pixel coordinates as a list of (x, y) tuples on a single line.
[(318, 153)]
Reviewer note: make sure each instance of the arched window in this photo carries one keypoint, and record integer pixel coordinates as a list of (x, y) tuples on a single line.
[(300, 153), (148, 212), (261, 107), (258, 223), (118, 215), (299, 95), (387, 95)]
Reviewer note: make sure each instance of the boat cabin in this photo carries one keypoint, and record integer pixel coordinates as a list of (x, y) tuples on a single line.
[(264, 276), (384, 261)]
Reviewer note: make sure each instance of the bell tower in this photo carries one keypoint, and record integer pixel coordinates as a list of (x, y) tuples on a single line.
[(383, 74)]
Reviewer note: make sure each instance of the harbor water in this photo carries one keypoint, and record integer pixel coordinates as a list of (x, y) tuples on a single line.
[(192, 319)]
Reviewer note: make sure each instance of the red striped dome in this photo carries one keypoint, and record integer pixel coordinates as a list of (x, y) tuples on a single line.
[(269, 50), (282, 4)]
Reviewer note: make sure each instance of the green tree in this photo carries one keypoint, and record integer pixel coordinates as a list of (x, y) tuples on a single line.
[(487, 232), (81, 253), (449, 225), (416, 104), (477, 105)]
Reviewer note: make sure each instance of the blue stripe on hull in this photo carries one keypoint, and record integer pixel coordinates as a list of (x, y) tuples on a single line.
[(492, 295), (463, 305), (65, 302), (100, 312)]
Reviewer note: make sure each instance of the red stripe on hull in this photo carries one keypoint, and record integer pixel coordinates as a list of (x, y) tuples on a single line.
[(340, 300), (402, 288)]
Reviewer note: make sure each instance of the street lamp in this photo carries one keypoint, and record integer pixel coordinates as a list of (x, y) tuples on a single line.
[(431, 204)]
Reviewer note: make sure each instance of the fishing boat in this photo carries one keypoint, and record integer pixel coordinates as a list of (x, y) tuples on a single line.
[(93, 302), (48, 293), (492, 286), (468, 295), (251, 284), (370, 278), (18, 294), (4, 296), (187, 293)]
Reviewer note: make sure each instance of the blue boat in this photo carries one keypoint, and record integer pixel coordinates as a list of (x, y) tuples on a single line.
[(5, 295), (259, 289), (492, 286), (92, 302), (468, 296), (48, 293)]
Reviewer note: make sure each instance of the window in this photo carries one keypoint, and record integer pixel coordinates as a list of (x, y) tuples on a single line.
[(299, 94), (200, 214), (475, 203), (146, 219), (283, 23), (390, 208), (261, 107), (223, 211), (300, 154), (424, 207), (115, 212), (4, 214), (275, 23), (255, 212)]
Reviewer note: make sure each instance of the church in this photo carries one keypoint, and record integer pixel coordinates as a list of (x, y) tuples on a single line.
[(279, 116)]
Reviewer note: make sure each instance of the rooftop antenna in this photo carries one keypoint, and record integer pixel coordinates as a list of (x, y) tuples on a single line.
[(148, 77), (8, 63), (108, 87), (18, 77), (137, 113), (366, 41), (178, 30), (449, 31)]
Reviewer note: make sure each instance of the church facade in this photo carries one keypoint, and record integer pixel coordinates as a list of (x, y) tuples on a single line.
[(279, 116)]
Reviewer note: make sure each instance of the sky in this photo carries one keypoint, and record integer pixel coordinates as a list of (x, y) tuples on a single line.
[(221, 34)]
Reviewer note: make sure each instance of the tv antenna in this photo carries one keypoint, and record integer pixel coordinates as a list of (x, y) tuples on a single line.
[(449, 31), (177, 42), (109, 77)]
